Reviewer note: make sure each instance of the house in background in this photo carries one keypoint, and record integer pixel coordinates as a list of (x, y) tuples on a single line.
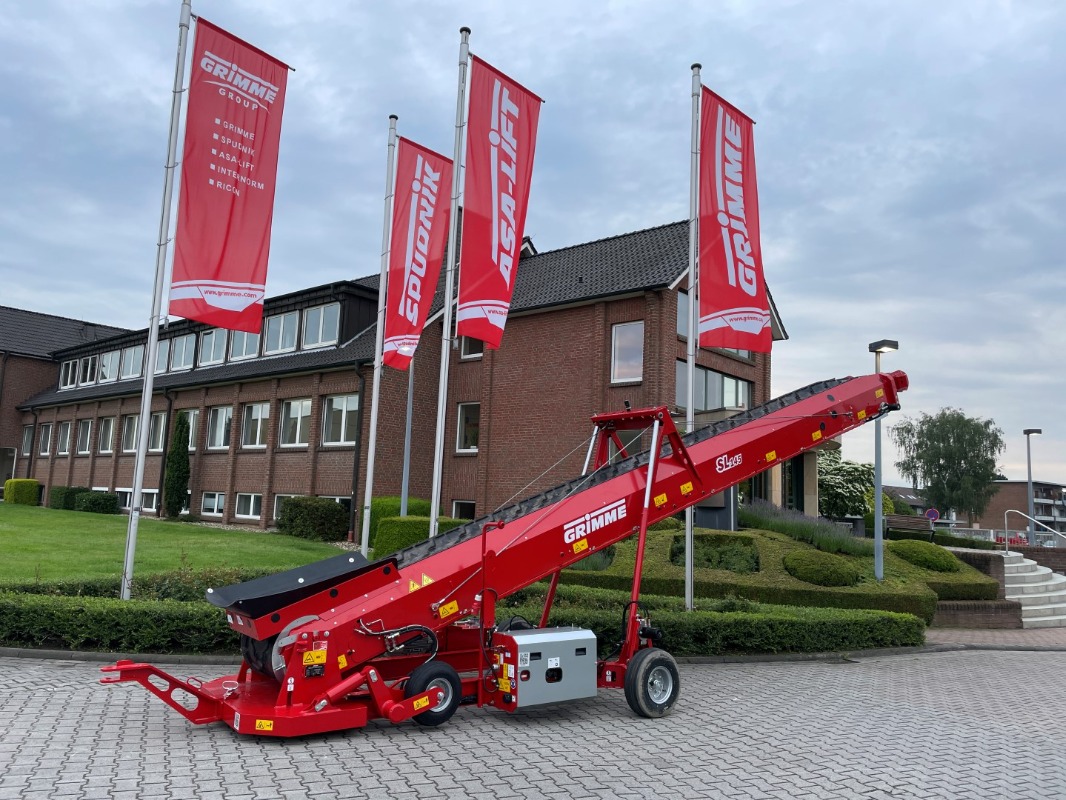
[(1049, 508), (910, 496)]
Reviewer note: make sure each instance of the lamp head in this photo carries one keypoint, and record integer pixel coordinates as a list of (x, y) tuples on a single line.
[(1029, 431), (884, 346)]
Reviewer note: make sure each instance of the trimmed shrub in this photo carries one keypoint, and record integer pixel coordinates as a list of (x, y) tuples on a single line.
[(382, 507), (396, 533), (22, 491), (97, 502), (822, 534), (925, 555), (65, 497), (821, 569), (668, 524), (183, 585), (944, 539), (316, 518), (733, 553)]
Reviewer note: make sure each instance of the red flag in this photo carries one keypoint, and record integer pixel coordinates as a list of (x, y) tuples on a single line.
[(228, 172), (500, 140), (734, 310), (419, 229)]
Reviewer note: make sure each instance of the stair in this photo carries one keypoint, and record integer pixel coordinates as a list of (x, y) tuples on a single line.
[(1041, 592)]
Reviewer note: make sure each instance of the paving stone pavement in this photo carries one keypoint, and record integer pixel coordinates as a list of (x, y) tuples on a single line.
[(958, 724)]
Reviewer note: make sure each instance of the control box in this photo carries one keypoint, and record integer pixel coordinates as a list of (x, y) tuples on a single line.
[(545, 665)]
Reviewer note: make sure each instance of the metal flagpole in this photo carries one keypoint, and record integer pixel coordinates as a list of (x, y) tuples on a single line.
[(379, 339), (693, 313), (405, 481), (449, 282), (144, 422)]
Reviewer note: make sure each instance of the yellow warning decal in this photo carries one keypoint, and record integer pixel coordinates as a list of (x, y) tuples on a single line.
[(861, 415), (686, 488), (426, 580), (879, 393), (660, 500), (314, 657), (816, 436), (264, 724), (446, 611), (581, 545), (771, 456), (413, 587), (342, 662), (420, 704), (505, 684)]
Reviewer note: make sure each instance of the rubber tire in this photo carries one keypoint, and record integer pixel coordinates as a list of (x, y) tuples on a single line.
[(652, 683), (435, 674), (257, 654)]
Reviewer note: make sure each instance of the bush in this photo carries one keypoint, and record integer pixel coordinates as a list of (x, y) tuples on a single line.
[(97, 502), (732, 553), (821, 534), (316, 518), (944, 539), (668, 524), (22, 491), (925, 555), (396, 533), (184, 584), (65, 497), (382, 507), (821, 569)]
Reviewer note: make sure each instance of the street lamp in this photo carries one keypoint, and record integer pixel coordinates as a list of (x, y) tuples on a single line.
[(877, 348), (1029, 466)]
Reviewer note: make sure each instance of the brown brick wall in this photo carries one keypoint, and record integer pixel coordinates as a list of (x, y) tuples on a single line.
[(977, 614)]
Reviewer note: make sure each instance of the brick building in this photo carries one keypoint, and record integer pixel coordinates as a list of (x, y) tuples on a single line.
[(282, 413), (1049, 507)]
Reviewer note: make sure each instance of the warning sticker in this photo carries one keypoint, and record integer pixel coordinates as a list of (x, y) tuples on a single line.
[(861, 414), (581, 545), (420, 704), (771, 456), (264, 724), (342, 662), (816, 436), (505, 684), (660, 500), (446, 611), (686, 488), (413, 587), (426, 580), (314, 657)]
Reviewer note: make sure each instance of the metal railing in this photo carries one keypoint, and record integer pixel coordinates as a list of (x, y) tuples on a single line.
[(1035, 542)]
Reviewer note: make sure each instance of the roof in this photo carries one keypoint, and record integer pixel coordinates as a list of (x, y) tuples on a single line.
[(906, 493), (29, 333)]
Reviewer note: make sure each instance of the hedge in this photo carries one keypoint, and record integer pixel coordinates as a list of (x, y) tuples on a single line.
[(316, 518), (396, 533), (944, 540), (925, 555), (64, 497), (97, 502), (821, 569), (383, 507), (22, 491), (182, 585)]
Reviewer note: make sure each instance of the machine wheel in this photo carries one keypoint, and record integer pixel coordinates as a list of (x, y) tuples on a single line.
[(257, 654), (652, 683), (435, 675)]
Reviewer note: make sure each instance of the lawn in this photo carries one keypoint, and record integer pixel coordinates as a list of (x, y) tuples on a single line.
[(39, 543)]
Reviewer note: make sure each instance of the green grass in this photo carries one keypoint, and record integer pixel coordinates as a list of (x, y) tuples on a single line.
[(46, 544)]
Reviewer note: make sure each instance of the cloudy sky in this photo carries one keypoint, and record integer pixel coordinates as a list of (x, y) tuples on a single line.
[(912, 177)]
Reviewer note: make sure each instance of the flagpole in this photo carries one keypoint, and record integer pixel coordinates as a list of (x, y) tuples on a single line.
[(405, 481), (379, 339), (693, 313), (144, 422), (449, 281)]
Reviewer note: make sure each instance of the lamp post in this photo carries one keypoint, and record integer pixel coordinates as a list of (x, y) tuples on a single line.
[(1029, 469), (877, 348)]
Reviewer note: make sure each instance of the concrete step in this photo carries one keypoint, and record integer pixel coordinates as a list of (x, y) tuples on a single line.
[(1057, 608), (1050, 597), (1045, 622), (1013, 558), (1025, 565), (1037, 574), (1049, 583)]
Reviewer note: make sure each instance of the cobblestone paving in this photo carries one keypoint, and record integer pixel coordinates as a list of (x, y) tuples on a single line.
[(961, 724)]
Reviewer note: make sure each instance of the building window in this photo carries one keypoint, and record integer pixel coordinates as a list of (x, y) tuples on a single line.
[(162, 355), (27, 439), (281, 333), (627, 352), (249, 506), (463, 509), (125, 498), (150, 500), (213, 346), (339, 420), (129, 433), (469, 418), (713, 390), (471, 348), (213, 503), (682, 314), (109, 367), (63, 439), (344, 501), (320, 325), (87, 370), (132, 362), (243, 345), (278, 502), (218, 425), (155, 431), (44, 446), (254, 430), (194, 419), (107, 434), (85, 429), (181, 351), (295, 422), (68, 375)]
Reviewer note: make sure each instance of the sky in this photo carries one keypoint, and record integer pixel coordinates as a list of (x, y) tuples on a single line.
[(910, 155)]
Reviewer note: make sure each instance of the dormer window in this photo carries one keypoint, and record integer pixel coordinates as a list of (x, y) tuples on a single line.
[(213, 346), (320, 325), (87, 370), (109, 367), (281, 333), (68, 375), (181, 351), (132, 362)]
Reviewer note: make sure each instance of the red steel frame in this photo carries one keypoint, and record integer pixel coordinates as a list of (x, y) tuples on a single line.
[(454, 591)]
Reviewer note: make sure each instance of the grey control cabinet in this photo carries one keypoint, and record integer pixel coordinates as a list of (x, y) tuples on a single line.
[(549, 665)]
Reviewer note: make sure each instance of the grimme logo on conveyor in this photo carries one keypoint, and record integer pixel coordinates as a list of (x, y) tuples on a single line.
[(590, 523)]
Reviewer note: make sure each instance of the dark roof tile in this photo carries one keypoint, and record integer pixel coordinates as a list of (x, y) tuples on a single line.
[(30, 333)]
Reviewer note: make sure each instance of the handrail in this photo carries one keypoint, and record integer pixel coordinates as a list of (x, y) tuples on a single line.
[(1006, 531)]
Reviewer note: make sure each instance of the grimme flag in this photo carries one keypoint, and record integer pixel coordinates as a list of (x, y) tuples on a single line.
[(500, 140), (228, 172), (734, 311), (419, 229)]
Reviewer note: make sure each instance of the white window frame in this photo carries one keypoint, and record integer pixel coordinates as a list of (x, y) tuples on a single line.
[(27, 440), (109, 366), (108, 424), (87, 426), (244, 338), (68, 374), (194, 420), (125, 498), (63, 438), (218, 506), (615, 331), (162, 356), (187, 350), (252, 501), (303, 429), (157, 427), (455, 509), (459, 429), (136, 424), (150, 501), (282, 322), (132, 358), (225, 429), (87, 370), (346, 437), (44, 440), (212, 347), (314, 327), (470, 349), (262, 410), (277, 503)]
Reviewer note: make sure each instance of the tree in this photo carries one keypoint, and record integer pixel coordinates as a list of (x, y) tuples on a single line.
[(842, 485), (952, 456), (176, 483)]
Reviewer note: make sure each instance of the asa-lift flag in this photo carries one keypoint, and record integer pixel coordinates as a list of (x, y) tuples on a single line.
[(228, 175), (419, 231), (734, 310), (500, 142)]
